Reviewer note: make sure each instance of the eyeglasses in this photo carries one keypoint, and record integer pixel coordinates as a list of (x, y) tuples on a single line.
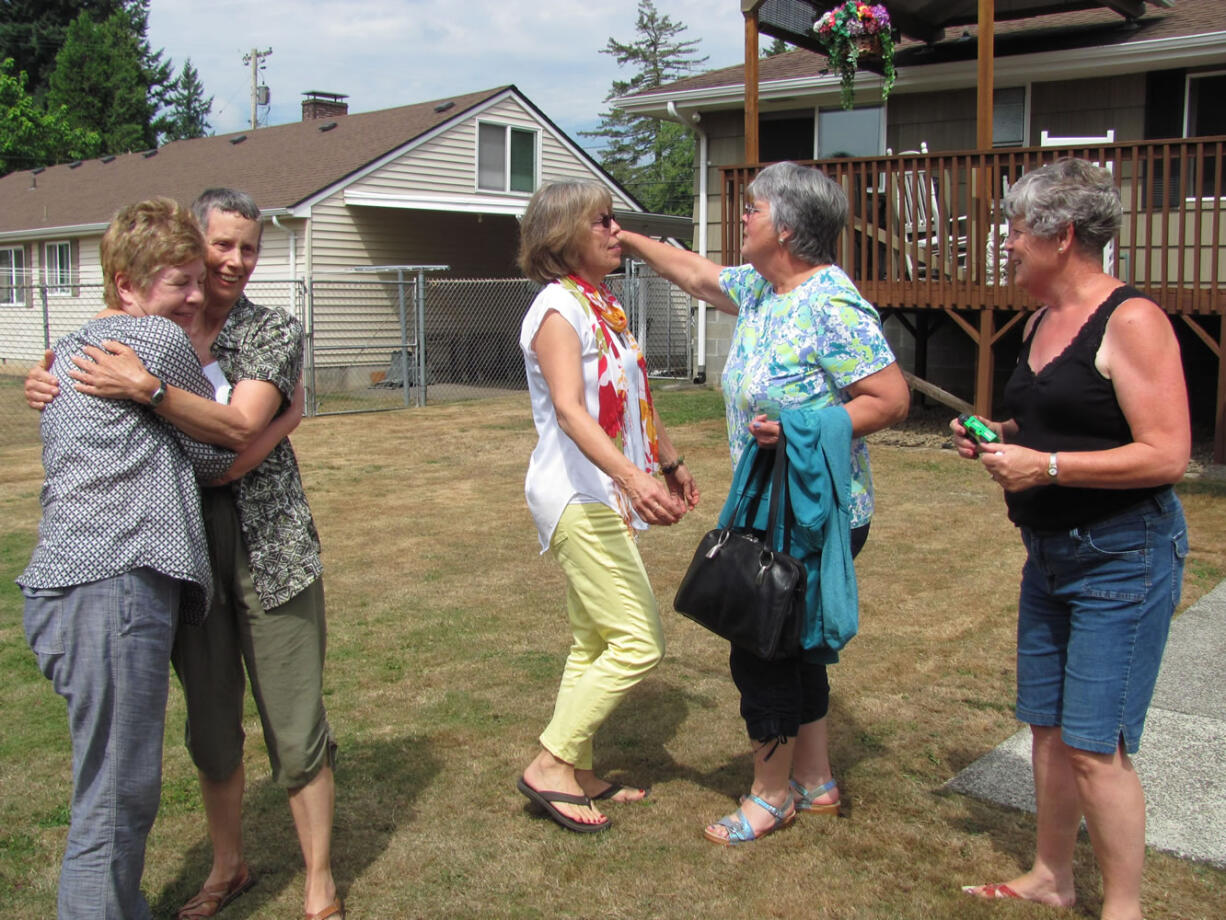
[(751, 210), (604, 220)]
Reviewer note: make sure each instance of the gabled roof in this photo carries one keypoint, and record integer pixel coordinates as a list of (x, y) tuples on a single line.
[(1095, 28), (279, 166)]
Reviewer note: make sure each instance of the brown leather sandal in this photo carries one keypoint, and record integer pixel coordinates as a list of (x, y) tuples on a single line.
[(335, 909), (207, 902)]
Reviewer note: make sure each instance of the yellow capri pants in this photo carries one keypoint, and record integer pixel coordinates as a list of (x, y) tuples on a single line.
[(615, 621)]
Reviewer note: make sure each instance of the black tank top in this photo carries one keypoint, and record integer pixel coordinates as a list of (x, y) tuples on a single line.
[(1069, 406)]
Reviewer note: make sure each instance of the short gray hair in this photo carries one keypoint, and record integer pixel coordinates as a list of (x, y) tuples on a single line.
[(228, 201), (1068, 192), (807, 202)]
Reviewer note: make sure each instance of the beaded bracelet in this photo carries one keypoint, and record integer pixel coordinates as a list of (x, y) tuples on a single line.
[(669, 468)]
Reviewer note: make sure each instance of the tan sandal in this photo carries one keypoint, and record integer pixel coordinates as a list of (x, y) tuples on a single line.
[(335, 909), (208, 902)]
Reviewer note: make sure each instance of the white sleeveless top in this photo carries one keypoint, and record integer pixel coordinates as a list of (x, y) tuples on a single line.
[(559, 473)]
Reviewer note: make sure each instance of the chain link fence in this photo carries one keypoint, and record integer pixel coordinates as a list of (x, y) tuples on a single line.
[(371, 343), (386, 344)]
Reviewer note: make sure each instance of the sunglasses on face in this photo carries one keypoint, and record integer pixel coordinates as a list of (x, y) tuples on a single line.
[(604, 220)]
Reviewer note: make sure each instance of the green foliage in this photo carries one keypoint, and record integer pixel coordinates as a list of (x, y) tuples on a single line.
[(188, 114), (777, 46), (653, 159), (32, 31), (100, 78), (31, 136)]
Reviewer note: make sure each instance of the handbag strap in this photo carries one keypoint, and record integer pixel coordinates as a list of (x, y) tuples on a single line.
[(777, 473), (779, 494)]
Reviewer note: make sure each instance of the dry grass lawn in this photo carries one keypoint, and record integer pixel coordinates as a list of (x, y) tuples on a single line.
[(447, 636)]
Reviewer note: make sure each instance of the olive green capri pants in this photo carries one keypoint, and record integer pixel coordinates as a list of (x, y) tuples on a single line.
[(282, 650)]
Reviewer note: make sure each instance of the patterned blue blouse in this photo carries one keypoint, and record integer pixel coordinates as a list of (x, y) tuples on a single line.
[(800, 349)]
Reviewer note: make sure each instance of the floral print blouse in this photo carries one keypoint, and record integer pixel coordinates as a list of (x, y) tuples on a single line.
[(800, 349)]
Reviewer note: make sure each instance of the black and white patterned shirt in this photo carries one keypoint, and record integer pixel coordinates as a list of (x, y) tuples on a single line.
[(262, 343), (120, 483)]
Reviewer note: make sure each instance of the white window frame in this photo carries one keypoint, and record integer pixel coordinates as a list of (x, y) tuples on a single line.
[(57, 272), (13, 277), (1187, 115), (508, 131)]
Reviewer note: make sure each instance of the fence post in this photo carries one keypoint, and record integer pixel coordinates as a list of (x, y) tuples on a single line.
[(404, 337), (313, 401), (421, 336), (42, 291)]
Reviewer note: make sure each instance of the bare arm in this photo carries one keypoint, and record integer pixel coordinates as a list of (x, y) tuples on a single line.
[(680, 482), (281, 428), (695, 275), (878, 401), (118, 373), (558, 350), (1140, 355)]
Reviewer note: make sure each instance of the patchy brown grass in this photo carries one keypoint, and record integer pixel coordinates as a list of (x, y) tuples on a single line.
[(447, 636)]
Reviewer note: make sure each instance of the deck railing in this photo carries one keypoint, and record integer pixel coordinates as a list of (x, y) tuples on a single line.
[(925, 230)]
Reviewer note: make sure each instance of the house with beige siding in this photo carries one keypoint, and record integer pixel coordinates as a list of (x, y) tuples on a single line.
[(1142, 92), (346, 199)]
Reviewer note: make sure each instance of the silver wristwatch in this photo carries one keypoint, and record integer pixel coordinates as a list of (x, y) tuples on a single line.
[(156, 397), (1053, 470)]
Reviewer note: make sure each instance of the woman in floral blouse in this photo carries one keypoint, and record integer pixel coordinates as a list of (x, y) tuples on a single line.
[(804, 338), (590, 486)]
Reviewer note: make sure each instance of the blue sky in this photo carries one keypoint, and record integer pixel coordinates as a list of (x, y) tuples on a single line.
[(385, 53)]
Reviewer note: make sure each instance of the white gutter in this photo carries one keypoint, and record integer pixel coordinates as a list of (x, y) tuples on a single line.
[(53, 232), (293, 246), (691, 123)]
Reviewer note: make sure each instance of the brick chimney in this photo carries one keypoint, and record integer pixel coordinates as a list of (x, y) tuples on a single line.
[(323, 105)]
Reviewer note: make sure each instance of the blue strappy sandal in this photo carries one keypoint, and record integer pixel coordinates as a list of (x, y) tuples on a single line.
[(741, 831), (803, 798)]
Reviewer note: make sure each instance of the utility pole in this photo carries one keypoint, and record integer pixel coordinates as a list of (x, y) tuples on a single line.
[(254, 59)]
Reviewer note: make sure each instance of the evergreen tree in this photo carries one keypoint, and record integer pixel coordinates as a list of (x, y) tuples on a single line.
[(31, 136), (101, 79), (188, 115), (778, 46), (32, 32), (653, 159)]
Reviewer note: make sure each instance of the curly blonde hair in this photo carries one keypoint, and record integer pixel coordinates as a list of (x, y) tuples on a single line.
[(143, 239)]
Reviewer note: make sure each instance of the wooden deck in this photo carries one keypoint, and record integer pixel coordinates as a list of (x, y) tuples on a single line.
[(925, 230)]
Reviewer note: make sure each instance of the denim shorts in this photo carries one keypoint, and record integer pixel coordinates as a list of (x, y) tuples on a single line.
[(1095, 608)]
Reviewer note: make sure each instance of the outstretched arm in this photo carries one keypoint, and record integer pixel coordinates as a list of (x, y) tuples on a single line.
[(695, 275)]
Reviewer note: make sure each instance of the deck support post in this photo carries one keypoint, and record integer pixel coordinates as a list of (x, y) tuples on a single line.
[(985, 365)]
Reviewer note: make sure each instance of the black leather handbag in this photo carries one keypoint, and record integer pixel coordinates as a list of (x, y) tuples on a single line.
[(742, 588)]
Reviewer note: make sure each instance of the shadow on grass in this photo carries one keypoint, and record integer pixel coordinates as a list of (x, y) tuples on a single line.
[(1012, 834), (377, 785), (633, 744)]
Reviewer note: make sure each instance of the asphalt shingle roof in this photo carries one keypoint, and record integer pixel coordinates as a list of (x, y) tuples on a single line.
[(1088, 28), (279, 166)]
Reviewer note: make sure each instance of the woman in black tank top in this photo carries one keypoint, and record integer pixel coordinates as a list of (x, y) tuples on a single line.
[(1096, 432)]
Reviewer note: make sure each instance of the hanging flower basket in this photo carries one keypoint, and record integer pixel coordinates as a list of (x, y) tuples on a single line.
[(853, 31)]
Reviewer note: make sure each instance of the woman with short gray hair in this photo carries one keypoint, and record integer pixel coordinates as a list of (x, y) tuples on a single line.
[(808, 358), (1096, 432)]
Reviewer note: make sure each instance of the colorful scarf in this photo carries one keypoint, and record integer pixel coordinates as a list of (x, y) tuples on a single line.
[(609, 318)]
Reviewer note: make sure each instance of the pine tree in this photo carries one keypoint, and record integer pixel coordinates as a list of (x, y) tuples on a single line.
[(188, 115), (778, 46), (653, 159), (31, 136), (32, 33)]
